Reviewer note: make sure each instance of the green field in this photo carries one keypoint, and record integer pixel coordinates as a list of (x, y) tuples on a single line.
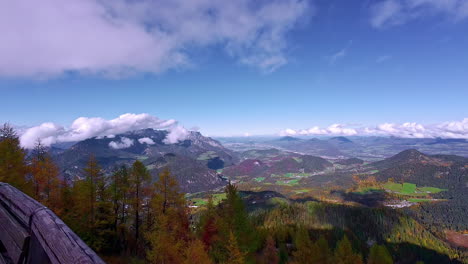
[(411, 189), (431, 189), (288, 182), (291, 175), (418, 200), (217, 198), (259, 179)]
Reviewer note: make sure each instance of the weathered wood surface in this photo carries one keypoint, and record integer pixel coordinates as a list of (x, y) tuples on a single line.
[(13, 235), (40, 233)]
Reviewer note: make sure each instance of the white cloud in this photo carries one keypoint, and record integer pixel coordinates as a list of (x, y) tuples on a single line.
[(122, 144), (175, 135), (46, 132), (389, 13), (454, 129), (146, 140), (288, 132), (85, 127), (120, 37), (339, 129)]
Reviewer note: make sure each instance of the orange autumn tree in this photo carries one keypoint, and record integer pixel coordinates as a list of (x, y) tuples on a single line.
[(45, 178), (170, 234), (12, 165)]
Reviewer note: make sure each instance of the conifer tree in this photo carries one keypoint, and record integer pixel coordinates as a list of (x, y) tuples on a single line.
[(139, 182), (195, 253), (119, 189), (270, 252), (235, 255), (12, 165), (236, 217), (379, 255), (44, 176), (170, 233), (344, 253), (304, 245), (94, 185), (321, 251)]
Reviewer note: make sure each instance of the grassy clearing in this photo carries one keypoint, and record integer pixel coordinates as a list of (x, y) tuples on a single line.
[(302, 191), (291, 175), (431, 189), (419, 200), (259, 179), (288, 182), (217, 198), (411, 189)]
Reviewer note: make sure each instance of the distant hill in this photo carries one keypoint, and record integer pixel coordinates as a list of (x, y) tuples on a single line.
[(289, 138), (443, 171), (314, 146), (193, 160), (340, 140), (350, 161)]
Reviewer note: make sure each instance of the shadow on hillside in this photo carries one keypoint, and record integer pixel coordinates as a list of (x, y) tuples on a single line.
[(371, 199), (409, 253)]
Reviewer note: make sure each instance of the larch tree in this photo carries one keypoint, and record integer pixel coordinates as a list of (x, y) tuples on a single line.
[(12, 164), (344, 253), (45, 178), (235, 255), (379, 255), (170, 234), (119, 189), (94, 182), (139, 181), (195, 253), (270, 252), (304, 247)]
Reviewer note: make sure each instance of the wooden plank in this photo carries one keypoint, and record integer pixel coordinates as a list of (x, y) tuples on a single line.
[(12, 236), (55, 239), (2, 260), (21, 205), (59, 242), (11, 227)]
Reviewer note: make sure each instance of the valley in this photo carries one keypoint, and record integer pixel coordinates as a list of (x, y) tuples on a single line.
[(411, 202)]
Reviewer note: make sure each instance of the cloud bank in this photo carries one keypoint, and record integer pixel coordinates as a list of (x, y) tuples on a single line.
[(120, 37), (454, 129), (389, 13), (122, 144), (85, 127), (146, 140)]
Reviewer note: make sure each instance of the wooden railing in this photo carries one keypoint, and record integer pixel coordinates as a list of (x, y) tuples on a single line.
[(31, 233)]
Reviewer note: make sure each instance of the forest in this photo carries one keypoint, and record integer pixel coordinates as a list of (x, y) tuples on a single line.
[(130, 217)]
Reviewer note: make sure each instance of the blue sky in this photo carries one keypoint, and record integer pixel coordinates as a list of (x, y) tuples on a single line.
[(356, 63)]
